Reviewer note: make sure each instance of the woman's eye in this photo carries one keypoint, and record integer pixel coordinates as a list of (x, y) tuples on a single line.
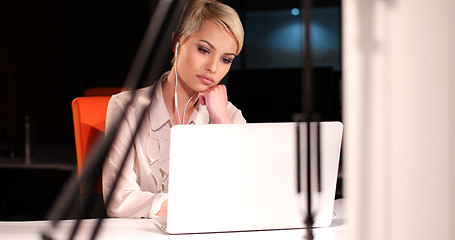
[(227, 60), (203, 50)]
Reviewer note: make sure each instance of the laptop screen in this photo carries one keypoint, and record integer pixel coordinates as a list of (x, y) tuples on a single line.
[(243, 177)]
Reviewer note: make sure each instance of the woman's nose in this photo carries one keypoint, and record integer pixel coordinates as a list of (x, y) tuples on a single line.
[(211, 65)]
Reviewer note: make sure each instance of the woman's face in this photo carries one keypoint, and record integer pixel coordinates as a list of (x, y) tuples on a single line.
[(205, 57)]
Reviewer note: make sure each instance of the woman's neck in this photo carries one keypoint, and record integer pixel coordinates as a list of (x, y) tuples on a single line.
[(186, 99)]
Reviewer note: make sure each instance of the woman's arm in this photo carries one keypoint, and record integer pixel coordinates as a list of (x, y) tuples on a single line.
[(128, 198)]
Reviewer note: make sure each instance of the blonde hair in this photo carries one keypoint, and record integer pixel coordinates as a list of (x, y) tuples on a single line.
[(199, 11)]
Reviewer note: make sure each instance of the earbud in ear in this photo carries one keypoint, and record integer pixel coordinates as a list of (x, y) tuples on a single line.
[(176, 47)]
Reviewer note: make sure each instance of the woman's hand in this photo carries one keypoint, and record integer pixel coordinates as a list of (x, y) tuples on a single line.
[(215, 98), (163, 210)]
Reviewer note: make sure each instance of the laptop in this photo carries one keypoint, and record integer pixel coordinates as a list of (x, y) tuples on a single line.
[(243, 177)]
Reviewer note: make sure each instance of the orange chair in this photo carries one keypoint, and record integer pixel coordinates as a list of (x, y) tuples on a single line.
[(89, 117)]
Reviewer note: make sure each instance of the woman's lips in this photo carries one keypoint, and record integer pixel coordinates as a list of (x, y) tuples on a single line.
[(206, 80)]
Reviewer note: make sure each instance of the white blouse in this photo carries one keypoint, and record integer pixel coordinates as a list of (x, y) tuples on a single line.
[(142, 186)]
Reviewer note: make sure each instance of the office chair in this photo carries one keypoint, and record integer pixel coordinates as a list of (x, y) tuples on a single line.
[(89, 117)]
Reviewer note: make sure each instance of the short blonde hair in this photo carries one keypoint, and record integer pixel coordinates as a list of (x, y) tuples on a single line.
[(198, 11)]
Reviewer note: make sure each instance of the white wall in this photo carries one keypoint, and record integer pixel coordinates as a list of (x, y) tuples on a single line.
[(399, 116)]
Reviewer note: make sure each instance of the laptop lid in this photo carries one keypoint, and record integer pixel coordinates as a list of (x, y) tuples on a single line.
[(243, 177)]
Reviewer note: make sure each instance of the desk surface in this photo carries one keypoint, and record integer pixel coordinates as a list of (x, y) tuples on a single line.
[(120, 228)]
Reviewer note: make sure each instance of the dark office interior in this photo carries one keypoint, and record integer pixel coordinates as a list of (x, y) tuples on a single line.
[(52, 51)]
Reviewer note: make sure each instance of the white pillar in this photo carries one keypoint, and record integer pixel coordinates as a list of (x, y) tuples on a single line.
[(399, 117)]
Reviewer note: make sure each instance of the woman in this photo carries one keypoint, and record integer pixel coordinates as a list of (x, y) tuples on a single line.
[(205, 44)]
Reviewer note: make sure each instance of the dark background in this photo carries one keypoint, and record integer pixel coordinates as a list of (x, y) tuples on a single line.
[(52, 51)]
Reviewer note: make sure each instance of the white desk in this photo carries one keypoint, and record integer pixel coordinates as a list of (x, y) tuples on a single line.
[(120, 228)]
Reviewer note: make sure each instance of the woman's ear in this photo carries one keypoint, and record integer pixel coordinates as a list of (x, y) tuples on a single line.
[(175, 40)]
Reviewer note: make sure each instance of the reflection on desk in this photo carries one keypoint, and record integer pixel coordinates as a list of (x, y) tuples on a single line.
[(121, 228)]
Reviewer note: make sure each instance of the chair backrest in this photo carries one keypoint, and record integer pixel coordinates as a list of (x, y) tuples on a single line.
[(89, 117)]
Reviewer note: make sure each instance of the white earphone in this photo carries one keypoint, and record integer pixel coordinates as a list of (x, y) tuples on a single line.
[(176, 80), (181, 121)]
